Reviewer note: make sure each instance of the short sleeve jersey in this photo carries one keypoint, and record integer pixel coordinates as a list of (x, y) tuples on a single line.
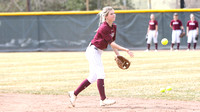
[(152, 24), (192, 25), (176, 24), (105, 35)]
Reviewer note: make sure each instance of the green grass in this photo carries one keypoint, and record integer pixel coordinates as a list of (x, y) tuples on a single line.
[(59, 72)]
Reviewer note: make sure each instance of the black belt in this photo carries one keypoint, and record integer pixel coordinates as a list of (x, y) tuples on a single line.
[(94, 46)]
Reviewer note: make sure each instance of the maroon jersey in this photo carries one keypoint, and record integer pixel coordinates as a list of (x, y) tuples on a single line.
[(104, 36), (192, 25), (176, 24), (152, 25)]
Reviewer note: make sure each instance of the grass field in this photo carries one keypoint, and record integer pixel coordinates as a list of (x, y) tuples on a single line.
[(59, 72)]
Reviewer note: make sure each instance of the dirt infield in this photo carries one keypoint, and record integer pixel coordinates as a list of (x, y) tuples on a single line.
[(60, 103)]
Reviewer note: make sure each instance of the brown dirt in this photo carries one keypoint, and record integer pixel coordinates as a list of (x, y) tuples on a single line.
[(60, 103)]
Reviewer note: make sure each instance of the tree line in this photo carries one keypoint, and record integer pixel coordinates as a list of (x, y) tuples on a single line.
[(62, 5)]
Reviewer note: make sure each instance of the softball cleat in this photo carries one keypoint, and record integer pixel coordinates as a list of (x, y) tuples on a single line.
[(107, 102), (72, 98)]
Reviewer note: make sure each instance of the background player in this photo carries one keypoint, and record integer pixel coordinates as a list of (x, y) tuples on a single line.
[(105, 35), (177, 28), (192, 31), (152, 33)]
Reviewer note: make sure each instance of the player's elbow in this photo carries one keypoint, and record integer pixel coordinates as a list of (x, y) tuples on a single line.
[(113, 44)]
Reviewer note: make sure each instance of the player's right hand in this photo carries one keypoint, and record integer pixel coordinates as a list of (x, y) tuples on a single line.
[(130, 53)]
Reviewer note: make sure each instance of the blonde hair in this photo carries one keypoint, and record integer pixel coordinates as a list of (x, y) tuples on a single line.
[(103, 14), (152, 15), (191, 15)]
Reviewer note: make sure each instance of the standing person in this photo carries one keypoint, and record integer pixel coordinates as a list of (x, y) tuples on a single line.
[(105, 36), (177, 28), (152, 33), (192, 31)]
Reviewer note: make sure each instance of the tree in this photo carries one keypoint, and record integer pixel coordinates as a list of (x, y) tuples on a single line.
[(61, 5)]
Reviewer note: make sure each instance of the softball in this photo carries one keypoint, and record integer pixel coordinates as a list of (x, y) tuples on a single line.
[(164, 41), (168, 88), (162, 90)]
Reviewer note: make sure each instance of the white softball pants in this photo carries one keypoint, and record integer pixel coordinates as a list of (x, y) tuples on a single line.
[(175, 36), (95, 63), (191, 36), (151, 35)]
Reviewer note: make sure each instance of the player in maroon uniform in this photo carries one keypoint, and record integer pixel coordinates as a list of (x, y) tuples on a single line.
[(106, 35), (177, 28), (152, 33), (192, 31)]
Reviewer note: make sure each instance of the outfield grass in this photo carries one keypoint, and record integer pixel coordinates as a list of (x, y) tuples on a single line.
[(59, 72)]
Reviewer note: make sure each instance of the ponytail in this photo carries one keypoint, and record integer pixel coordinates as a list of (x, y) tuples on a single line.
[(103, 14)]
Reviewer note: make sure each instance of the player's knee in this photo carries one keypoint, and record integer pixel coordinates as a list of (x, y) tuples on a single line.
[(91, 80), (194, 41), (148, 42), (101, 77)]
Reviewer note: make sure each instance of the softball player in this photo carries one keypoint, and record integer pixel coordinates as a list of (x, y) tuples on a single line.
[(192, 31), (177, 28), (105, 36), (152, 33)]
